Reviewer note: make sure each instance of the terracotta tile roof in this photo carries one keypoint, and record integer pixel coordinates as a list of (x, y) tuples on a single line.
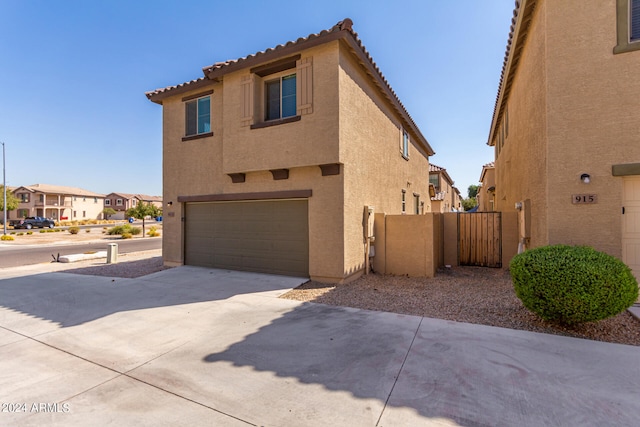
[(489, 165), (520, 23), (59, 189), (437, 169), (342, 30)]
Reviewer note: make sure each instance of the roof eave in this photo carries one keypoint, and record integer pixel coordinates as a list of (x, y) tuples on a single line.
[(522, 15)]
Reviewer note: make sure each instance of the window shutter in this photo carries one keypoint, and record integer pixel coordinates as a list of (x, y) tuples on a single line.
[(304, 86), (247, 101), (635, 20)]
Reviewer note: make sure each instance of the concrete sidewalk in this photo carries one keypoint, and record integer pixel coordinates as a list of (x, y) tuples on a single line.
[(193, 346)]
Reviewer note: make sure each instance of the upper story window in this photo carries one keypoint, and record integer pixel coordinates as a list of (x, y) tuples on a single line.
[(280, 97), (405, 144), (133, 202), (119, 202), (628, 26), (198, 116), (107, 202), (434, 179), (24, 197), (276, 93)]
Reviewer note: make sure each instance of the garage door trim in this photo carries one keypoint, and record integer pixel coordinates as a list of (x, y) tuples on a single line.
[(229, 197)]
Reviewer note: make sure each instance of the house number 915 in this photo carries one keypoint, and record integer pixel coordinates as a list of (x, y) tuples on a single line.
[(582, 199)]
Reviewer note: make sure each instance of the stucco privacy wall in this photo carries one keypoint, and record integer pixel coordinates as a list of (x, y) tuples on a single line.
[(521, 171), (593, 122), (375, 172), (412, 245)]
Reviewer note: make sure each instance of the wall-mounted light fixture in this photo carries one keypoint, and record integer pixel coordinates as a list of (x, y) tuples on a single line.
[(170, 204), (585, 178)]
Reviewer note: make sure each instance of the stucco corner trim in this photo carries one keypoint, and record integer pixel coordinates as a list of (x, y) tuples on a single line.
[(330, 169), (625, 169), (237, 177)]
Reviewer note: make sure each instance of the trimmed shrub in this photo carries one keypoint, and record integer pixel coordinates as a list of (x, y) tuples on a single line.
[(124, 228), (43, 231), (126, 235), (572, 284), (6, 237), (74, 230), (29, 233)]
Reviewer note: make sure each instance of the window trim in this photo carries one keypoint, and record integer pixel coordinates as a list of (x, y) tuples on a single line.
[(195, 99), (623, 28), (107, 202), (405, 140), (279, 77)]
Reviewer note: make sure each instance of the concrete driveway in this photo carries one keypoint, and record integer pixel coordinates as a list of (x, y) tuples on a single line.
[(194, 346)]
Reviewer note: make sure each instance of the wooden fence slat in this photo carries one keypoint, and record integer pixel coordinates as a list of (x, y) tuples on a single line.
[(479, 239)]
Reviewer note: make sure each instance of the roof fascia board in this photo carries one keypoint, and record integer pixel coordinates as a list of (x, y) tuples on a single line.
[(525, 11)]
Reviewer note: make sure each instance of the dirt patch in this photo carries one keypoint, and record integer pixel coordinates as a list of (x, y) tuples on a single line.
[(464, 294)]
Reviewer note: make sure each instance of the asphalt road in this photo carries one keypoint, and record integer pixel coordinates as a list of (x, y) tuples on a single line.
[(13, 256)]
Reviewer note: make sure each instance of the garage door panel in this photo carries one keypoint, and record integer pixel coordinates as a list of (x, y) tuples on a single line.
[(262, 236)]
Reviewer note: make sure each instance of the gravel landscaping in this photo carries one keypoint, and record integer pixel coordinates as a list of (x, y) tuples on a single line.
[(464, 294)]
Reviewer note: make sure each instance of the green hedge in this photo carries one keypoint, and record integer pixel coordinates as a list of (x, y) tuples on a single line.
[(572, 284)]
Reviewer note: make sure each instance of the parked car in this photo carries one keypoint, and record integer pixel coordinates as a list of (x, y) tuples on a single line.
[(35, 222)]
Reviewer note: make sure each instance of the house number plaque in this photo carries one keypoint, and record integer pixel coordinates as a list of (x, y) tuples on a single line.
[(584, 199)]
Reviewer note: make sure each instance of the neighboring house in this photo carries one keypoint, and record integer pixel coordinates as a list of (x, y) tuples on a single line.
[(277, 161), (566, 126), (487, 191), (120, 202), (57, 202), (447, 197)]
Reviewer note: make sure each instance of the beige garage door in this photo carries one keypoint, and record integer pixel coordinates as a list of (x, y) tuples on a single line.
[(631, 225), (261, 236)]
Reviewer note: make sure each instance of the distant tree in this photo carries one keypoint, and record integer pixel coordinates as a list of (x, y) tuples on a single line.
[(472, 191), (468, 204), (12, 201), (471, 201), (107, 212), (143, 210)]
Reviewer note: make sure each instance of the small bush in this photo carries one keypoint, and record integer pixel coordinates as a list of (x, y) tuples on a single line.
[(29, 233), (126, 235), (74, 229), (57, 230), (572, 284), (153, 232), (124, 228), (43, 231), (21, 233), (6, 237), (88, 230)]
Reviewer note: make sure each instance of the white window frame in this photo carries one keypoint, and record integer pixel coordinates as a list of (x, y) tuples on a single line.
[(196, 102), (405, 142), (118, 202), (624, 31), (107, 202), (279, 77)]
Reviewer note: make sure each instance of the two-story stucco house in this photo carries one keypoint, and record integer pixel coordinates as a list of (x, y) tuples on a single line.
[(276, 161), (120, 202), (447, 196), (57, 202), (566, 126), (487, 192)]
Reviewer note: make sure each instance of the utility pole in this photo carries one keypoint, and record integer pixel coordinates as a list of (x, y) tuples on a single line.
[(4, 192)]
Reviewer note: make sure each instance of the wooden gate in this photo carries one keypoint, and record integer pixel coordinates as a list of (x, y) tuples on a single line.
[(480, 239)]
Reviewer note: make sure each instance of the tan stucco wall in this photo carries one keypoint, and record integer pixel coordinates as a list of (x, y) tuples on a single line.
[(375, 171), (572, 110), (486, 197), (521, 171), (593, 122), (418, 256)]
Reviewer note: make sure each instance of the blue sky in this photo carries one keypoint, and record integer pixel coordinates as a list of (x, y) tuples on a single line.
[(73, 74)]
